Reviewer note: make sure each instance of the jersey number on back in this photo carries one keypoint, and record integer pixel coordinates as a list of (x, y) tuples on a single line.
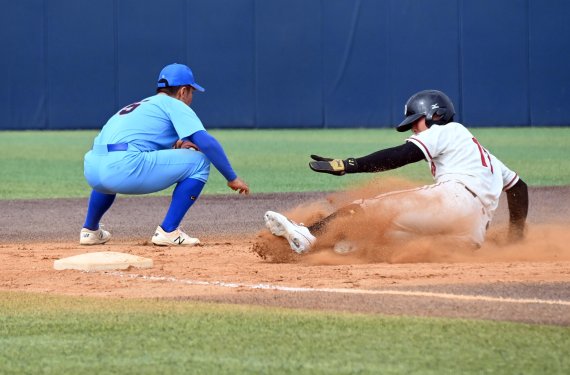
[(129, 108), (484, 153)]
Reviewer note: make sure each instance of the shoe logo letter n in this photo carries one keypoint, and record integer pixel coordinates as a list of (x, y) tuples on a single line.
[(179, 240)]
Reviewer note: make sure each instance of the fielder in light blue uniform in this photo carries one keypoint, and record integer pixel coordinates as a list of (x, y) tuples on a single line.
[(148, 146)]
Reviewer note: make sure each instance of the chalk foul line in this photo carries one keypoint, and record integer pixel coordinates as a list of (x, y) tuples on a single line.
[(409, 293)]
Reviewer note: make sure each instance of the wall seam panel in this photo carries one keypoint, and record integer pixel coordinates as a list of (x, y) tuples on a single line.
[(324, 124), (255, 76), (528, 76), (186, 40), (389, 64), (460, 44), (46, 68), (116, 54)]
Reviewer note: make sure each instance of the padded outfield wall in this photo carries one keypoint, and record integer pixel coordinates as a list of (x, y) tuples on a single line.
[(70, 64)]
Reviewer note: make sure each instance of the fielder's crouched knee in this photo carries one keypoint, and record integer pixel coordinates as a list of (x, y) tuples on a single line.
[(202, 170)]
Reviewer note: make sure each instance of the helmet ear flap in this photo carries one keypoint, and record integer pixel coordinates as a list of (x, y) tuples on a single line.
[(441, 115), (429, 117), (429, 121)]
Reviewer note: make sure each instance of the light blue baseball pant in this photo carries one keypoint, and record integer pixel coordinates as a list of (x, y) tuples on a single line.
[(136, 172)]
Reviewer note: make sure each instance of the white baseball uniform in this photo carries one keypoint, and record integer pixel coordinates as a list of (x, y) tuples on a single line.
[(468, 183)]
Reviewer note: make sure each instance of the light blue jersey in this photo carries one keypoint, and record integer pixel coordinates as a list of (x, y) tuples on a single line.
[(154, 123), (149, 164)]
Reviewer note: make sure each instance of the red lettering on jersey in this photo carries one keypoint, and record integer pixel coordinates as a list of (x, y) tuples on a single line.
[(483, 153)]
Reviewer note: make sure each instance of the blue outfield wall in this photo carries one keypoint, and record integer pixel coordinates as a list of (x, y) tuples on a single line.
[(70, 64)]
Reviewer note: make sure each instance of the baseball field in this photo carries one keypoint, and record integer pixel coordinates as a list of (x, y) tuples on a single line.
[(243, 303)]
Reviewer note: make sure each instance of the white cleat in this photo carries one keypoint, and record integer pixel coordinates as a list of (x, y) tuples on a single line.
[(298, 236), (93, 237), (174, 238)]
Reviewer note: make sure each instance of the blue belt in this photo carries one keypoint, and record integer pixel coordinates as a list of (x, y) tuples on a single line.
[(117, 147), (103, 149)]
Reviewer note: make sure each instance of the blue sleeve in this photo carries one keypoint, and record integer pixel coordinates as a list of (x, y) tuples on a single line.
[(214, 151)]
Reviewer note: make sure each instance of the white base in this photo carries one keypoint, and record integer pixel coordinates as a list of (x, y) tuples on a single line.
[(102, 261)]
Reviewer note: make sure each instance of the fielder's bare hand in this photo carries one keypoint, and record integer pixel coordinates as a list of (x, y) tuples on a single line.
[(185, 144), (239, 185)]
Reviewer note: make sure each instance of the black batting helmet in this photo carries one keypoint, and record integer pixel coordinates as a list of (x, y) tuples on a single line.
[(427, 103)]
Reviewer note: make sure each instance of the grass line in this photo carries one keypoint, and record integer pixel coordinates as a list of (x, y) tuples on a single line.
[(56, 334)]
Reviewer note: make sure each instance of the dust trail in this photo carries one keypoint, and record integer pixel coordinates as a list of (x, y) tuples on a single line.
[(543, 242)]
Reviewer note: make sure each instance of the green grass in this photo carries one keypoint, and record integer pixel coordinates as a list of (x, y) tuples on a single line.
[(60, 335), (49, 164)]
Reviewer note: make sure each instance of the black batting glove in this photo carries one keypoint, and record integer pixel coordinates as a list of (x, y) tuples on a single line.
[(320, 158), (337, 167)]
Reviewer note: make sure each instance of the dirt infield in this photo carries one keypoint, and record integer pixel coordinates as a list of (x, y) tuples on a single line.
[(526, 282)]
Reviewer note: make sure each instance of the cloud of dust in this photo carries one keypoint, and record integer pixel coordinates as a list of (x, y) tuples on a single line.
[(368, 233)]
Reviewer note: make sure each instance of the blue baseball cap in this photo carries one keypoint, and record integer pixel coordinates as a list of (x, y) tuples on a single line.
[(177, 75)]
